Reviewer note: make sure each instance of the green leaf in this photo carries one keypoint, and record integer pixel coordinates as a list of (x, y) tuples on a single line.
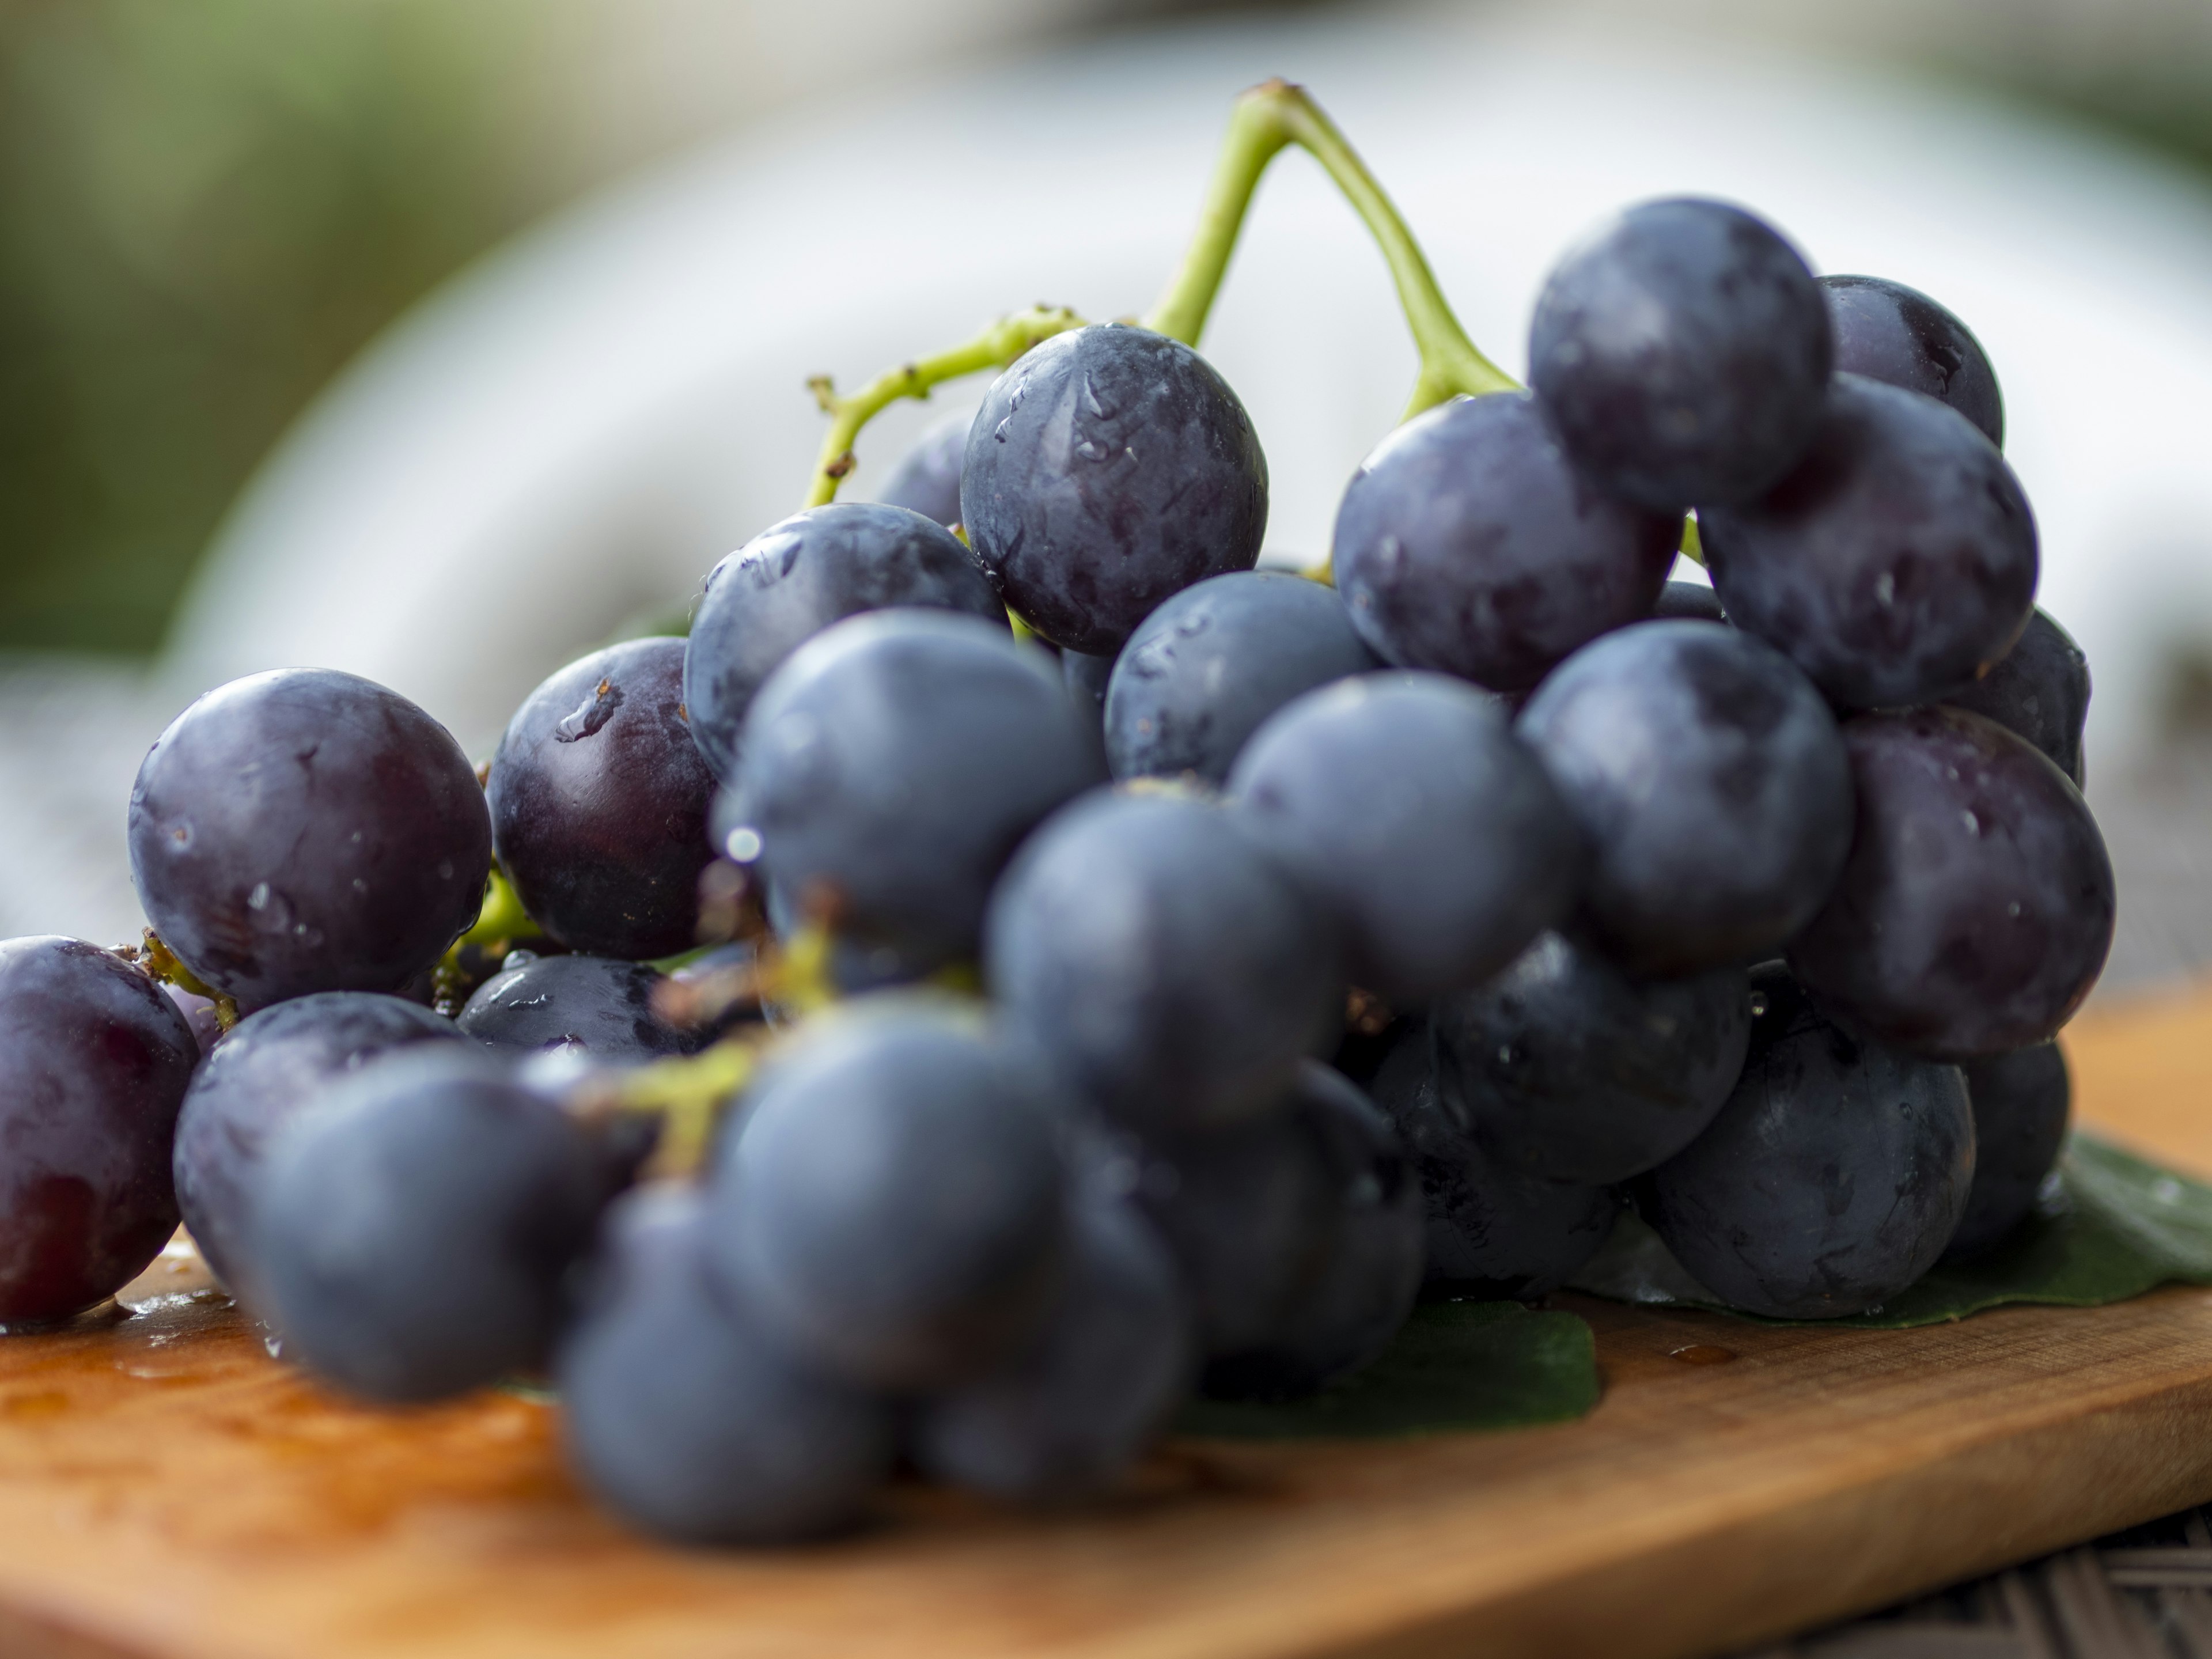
[(1455, 1366), (2110, 1225)]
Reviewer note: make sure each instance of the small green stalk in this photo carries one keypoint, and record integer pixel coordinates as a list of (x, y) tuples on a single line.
[(1265, 120), (994, 348)]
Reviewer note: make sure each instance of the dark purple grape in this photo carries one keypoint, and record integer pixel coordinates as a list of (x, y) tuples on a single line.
[(1567, 1069), (602, 1006), (1977, 907), (1467, 543), (2022, 1101), (1681, 351), (1894, 564), (272, 1065), (307, 831), (1895, 334), (1172, 973), (2040, 690), (94, 1061), (1364, 1283), (683, 1418), (1202, 672), (893, 1206), (1710, 780), (1491, 1232), (1087, 678), (200, 1014), (598, 804), (1066, 1417), (1833, 1176), (414, 1233), (796, 578), (927, 478), (1688, 602), (1109, 468), (1407, 808)]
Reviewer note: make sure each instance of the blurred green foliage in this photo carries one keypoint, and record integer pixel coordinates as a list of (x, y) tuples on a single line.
[(205, 208)]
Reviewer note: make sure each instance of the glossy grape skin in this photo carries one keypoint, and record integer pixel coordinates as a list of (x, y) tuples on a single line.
[(1688, 601), (1364, 1284), (1977, 908), (1065, 1418), (271, 1066), (1832, 1179), (1467, 543), (1433, 838), (892, 1208), (414, 1233), (1568, 1070), (891, 767), (683, 1418), (1894, 564), (1087, 678), (2022, 1101), (1710, 782), (94, 1062), (1202, 672), (795, 579), (1109, 467), (598, 804), (1491, 1231), (927, 478), (602, 1006), (2039, 689), (307, 831), (1895, 334), (1681, 351), (1170, 971)]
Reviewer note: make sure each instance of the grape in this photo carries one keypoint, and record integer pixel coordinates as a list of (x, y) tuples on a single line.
[(94, 1061), (2041, 689), (683, 1418), (307, 831), (1564, 1067), (2021, 1101), (598, 804), (1491, 1231), (1689, 601), (1087, 678), (892, 765), (1977, 905), (1468, 543), (1889, 332), (926, 479), (1429, 833), (1109, 468), (413, 1232), (1833, 1176), (602, 1006), (1203, 670), (1251, 1212), (1364, 1284), (272, 1065), (1067, 1414), (1895, 564), (891, 1208), (200, 1014), (792, 580), (1681, 351), (1711, 781), (1172, 973)]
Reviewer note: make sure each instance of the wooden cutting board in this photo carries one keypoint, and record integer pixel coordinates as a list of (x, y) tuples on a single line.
[(168, 1491)]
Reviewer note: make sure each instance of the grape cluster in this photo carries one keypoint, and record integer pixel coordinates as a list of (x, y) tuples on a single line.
[(1195, 1000)]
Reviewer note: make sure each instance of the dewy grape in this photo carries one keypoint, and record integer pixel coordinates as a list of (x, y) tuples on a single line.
[(847, 1038)]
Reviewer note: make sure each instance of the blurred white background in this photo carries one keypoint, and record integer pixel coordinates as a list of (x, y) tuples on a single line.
[(562, 440)]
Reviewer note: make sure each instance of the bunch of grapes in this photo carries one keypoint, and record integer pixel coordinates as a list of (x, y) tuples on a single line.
[(1105, 970)]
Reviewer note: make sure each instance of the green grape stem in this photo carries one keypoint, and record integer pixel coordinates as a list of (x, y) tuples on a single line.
[(994, 348), (161, 964), (1267, 119)]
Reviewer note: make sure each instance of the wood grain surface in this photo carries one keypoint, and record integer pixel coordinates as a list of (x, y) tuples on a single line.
[(168, 1491)]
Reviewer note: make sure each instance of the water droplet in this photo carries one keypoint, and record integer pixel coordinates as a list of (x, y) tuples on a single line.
[(258, 898), (273, 1344), (744, 844)]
